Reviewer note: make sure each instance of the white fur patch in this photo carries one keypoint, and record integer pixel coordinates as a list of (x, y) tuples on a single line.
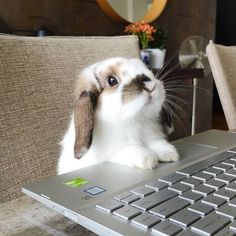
[(127, 134)]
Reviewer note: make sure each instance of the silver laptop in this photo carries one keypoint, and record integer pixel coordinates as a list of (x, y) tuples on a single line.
[(195, 196)]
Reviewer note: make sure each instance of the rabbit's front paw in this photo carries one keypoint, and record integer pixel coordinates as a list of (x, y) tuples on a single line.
[(168, 156), (165, 151), (147, 163), (137, 157)]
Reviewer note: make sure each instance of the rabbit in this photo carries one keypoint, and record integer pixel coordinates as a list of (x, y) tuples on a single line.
[(116, 118)]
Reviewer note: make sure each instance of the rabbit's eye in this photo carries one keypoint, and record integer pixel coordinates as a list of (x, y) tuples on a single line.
[(112, 80)]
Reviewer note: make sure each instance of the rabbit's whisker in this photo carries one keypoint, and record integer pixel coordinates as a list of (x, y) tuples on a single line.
[(168, 108)]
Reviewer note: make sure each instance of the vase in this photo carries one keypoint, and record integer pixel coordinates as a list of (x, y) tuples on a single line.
[(146, 56), (157, 57)]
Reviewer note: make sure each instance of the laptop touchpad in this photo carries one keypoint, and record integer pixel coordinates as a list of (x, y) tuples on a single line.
[(192, 150)]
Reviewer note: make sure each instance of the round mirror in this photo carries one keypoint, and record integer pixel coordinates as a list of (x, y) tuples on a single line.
[(133, 10)]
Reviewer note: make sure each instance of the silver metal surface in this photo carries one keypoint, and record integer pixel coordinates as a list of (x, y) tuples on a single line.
[(79, 206)]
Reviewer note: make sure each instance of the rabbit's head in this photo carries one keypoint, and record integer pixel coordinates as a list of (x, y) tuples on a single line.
[(114, 91)]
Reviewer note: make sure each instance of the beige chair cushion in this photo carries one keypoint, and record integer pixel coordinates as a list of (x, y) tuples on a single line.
[(36, 83), (223, 65)]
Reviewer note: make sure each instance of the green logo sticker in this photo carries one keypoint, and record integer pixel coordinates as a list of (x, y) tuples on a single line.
[(76, 182)]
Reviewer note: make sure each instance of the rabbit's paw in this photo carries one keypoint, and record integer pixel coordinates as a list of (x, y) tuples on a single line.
[(138, 157)]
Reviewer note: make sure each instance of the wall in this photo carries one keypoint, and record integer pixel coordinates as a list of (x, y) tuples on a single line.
[(182, 19), (63, 17), (84, 17)]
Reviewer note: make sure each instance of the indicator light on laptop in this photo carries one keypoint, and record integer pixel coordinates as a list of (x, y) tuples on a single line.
[(77, 182)]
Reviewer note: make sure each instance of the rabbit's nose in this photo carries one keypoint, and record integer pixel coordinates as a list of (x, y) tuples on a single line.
[(149, 86)]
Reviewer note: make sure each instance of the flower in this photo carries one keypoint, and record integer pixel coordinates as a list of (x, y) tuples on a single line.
[(147, 34)]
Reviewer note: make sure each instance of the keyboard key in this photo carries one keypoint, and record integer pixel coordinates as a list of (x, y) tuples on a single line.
[(226, 194), (110, 206), (191, 182), (202, 176), (227, 211), (202, 189), (193, 169), (213, 171), (223, 156), (166, 229), (222, 166), (185, 218), (122, 195), (233, 150), (230, 162), (231, 172), (232, 202), (154, 199), (127, 212), (213, 201), (156, 184), (225, 178), (143, 191), (187, 233), (225, 232), (231, 187), (130, 199), (179, 188), (216, 184), (170, 207), (191, 196), (232, 226), (172, 178), (201, 208), (145, 220), (211, 224)]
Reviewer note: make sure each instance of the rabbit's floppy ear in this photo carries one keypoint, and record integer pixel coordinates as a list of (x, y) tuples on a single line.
[(87, 93)]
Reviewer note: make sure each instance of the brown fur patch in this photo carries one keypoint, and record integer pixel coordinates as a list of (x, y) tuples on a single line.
[(134, 88), (84, 121)]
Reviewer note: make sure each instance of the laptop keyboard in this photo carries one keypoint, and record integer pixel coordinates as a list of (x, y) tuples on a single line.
[(197, 200)]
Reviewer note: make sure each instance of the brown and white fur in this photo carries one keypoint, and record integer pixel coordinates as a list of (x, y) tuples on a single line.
[(116, 118)]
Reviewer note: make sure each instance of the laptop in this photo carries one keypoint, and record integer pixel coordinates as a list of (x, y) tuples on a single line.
[(194, 196)]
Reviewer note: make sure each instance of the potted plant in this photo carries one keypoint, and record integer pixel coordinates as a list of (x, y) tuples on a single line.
[(152, 42)]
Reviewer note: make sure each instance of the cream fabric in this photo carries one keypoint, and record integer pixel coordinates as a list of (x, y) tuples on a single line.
[(223, 65), (36, 83)]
